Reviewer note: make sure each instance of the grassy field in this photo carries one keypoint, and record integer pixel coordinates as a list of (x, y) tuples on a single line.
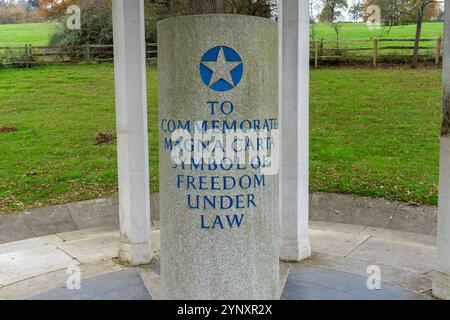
[(376, 132), (38, 33), (373, 133), (352, 31), (28, 33), (58, 110)]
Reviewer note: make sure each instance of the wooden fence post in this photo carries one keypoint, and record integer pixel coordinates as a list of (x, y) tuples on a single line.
[(27, 64), (438, 51), (316, 53), (321, 48), (88, 53), (375, 52), (30, 53)]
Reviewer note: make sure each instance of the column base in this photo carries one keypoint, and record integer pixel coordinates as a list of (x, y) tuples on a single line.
[(135, 254), (441, 285), (295, 251)]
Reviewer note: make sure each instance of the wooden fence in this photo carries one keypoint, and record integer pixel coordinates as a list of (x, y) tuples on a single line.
[(372, 50), (29, 55), (375, 50)]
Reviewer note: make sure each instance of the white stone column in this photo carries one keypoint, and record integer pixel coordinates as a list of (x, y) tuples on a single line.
[(441, 281), (132, 133), (294, 101)]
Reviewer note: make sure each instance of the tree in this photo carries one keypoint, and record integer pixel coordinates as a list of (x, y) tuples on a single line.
[(163, 8), (96, 23), (314, 5), (399, 12), (391, 16), (55, 10), (420, 7), (5, 7), (356, 11), (331, 13), (17, 15), (332, 10), (262, 8), (17, 11), (96, 16), (33, 4), (207, 6)]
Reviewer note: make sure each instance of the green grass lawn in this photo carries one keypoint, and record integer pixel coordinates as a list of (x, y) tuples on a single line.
[(373, 133), (376, 132), (352, 31), (36, 34), (58, 110)]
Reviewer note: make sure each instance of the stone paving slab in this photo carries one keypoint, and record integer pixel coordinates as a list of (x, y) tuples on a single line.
[(47, 281), (373, 212), (406, 237), (13, 227), (28, 258), (331, 207), (315, 283), (151, 280), (92, 249), (93, 214), (336, 227), (23, 264), (98, 213), (29, 243), (416, 258), (93, 245), (414, 252), (47, 221), (121, 285), (342, 244), (407, 279), (87, 233), (414, 218)]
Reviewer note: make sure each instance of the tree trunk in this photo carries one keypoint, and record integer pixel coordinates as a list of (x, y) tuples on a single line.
[(337, 39), (415, 58), (207, 6)]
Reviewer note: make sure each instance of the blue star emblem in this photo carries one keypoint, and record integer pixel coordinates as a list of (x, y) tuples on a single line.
[(221, 68)]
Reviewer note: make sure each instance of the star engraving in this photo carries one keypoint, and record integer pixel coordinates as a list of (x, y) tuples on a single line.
[(221, 69)]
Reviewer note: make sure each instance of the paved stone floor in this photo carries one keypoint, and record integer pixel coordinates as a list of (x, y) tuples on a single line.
[(37, 268), (315, 283), (119, 285), (303, 283)]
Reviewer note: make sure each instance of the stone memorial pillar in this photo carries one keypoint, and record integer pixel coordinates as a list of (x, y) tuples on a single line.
[(441, 278), (218, 118)]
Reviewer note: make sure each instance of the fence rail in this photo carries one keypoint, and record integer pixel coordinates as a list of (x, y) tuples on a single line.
[(29, 55), (372, 50)]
